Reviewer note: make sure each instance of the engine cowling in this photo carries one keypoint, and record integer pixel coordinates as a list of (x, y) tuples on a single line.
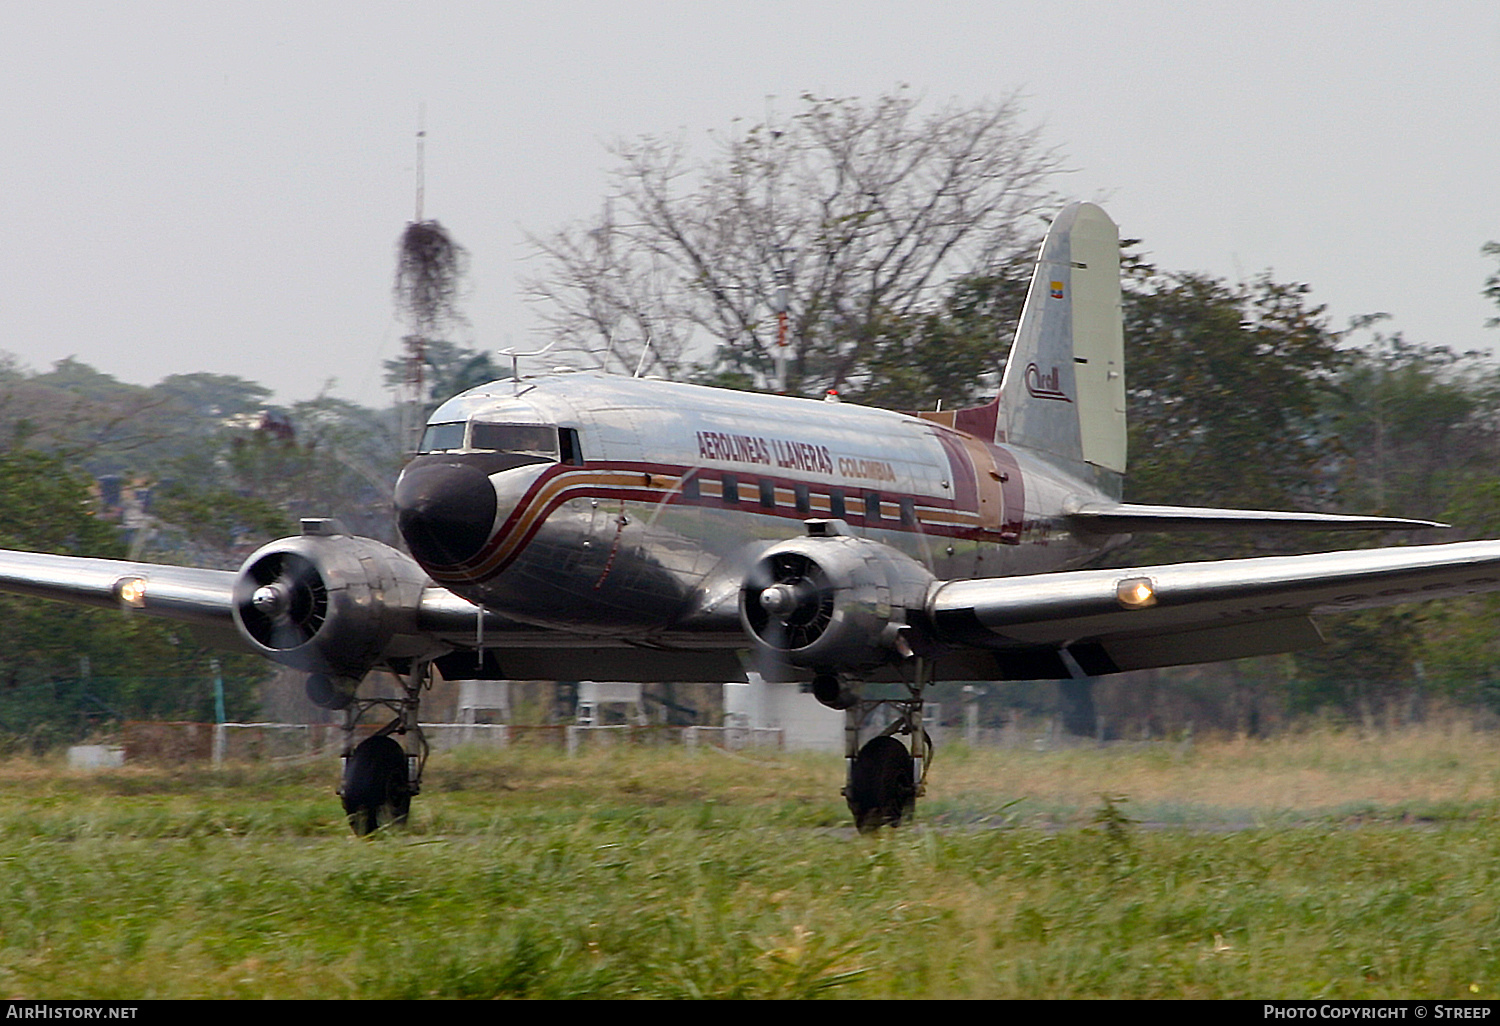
[(833, 603), (330, 603)]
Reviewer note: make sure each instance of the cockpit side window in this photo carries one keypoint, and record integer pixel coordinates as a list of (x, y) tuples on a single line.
[(572, 452), (443, 437)]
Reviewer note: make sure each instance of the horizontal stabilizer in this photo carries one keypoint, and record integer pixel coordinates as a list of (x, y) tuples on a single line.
[(1125, 517)]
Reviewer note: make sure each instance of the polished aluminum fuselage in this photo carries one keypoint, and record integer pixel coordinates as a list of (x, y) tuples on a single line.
[(680, 487)]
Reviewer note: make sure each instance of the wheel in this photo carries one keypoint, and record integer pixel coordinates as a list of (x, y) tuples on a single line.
[(375, 791), (881, 790)]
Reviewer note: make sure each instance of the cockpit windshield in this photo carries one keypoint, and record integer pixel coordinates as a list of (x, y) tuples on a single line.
[(541, 440), (527, 439), (443, 437)]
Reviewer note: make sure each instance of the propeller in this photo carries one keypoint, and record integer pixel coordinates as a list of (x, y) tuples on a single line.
[(287, 600), (788, 601)]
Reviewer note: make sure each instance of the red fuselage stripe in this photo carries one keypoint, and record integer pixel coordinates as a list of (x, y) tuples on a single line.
[(657, 483)]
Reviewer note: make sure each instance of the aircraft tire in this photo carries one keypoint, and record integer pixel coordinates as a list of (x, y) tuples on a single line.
[(881, 791), (375, 791)]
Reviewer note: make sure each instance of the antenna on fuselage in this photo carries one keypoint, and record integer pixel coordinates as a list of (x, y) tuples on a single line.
[(608, 349), (645, 352), (515, 363)]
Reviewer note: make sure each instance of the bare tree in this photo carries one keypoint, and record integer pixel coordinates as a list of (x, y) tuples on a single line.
[(800, 240)]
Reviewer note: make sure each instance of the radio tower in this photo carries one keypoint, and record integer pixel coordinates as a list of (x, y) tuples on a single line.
[(429, 271)]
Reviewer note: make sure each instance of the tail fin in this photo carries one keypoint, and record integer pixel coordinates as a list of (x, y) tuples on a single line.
[(1064, 385)]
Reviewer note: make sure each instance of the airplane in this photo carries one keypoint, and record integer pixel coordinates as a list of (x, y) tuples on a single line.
[(587, 526)]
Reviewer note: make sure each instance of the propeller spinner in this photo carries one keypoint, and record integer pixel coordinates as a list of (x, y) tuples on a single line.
[(287, 603), (791, 601)]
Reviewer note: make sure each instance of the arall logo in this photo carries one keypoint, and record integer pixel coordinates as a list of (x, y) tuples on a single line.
[(1044, 386)]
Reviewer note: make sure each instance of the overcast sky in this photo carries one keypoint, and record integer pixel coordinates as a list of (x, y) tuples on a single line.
[(219, 186)]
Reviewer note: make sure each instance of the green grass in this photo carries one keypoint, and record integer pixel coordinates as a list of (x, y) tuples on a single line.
[(1354, 869)]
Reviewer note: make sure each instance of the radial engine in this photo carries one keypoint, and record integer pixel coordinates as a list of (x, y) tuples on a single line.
[(332, 604), (832, 603)]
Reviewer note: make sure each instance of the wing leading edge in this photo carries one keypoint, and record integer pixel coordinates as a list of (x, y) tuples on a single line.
[(1088, 622), (1121, 517)]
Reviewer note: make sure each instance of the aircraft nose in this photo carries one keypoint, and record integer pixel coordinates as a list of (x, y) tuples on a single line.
[(445, 511)]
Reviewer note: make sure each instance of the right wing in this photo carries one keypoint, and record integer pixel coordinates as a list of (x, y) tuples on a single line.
[(1090, 622), (366, 603), (189, 594)]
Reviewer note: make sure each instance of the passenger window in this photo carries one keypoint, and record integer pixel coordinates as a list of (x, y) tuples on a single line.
[(690, 486), (767, 493), (731, 490), (836, 503), (872, 505), (802, 498), (908, 511)]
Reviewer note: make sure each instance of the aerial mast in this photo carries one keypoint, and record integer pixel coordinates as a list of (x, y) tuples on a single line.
[(415, 345), (429, 270)]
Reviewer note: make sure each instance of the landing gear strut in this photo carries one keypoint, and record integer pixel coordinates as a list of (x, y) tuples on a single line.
[(885, 778), (380, 776)]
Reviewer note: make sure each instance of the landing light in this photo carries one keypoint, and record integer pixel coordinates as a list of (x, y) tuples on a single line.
[(1136, 593), (131, 591)]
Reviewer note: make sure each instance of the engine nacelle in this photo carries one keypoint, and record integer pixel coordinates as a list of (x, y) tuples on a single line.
[(833, 603), (330, 603)]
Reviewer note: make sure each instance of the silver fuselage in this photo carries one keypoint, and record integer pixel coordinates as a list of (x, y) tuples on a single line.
[(648, 530)]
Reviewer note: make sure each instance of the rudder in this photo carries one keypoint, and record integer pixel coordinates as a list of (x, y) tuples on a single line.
[(1064, 386)]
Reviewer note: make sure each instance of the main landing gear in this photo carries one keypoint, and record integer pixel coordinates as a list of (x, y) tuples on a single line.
[(380, 775), (375, 788), (885, 778)]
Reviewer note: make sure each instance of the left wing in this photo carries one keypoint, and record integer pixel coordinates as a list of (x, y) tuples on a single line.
[(1090, 622)]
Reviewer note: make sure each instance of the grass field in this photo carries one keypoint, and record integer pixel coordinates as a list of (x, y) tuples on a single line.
[(1321, 865)]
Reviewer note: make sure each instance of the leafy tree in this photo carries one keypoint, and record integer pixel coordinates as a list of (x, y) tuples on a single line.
[(243, 486), (1365, 668), (46, 507), (1419, 436), (1225, 385), (1244, 396), (213, 396), (78, 413), (448, 369), (952, 355), (853, 218), (1416, 429), (202, 525), (64, 669)]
